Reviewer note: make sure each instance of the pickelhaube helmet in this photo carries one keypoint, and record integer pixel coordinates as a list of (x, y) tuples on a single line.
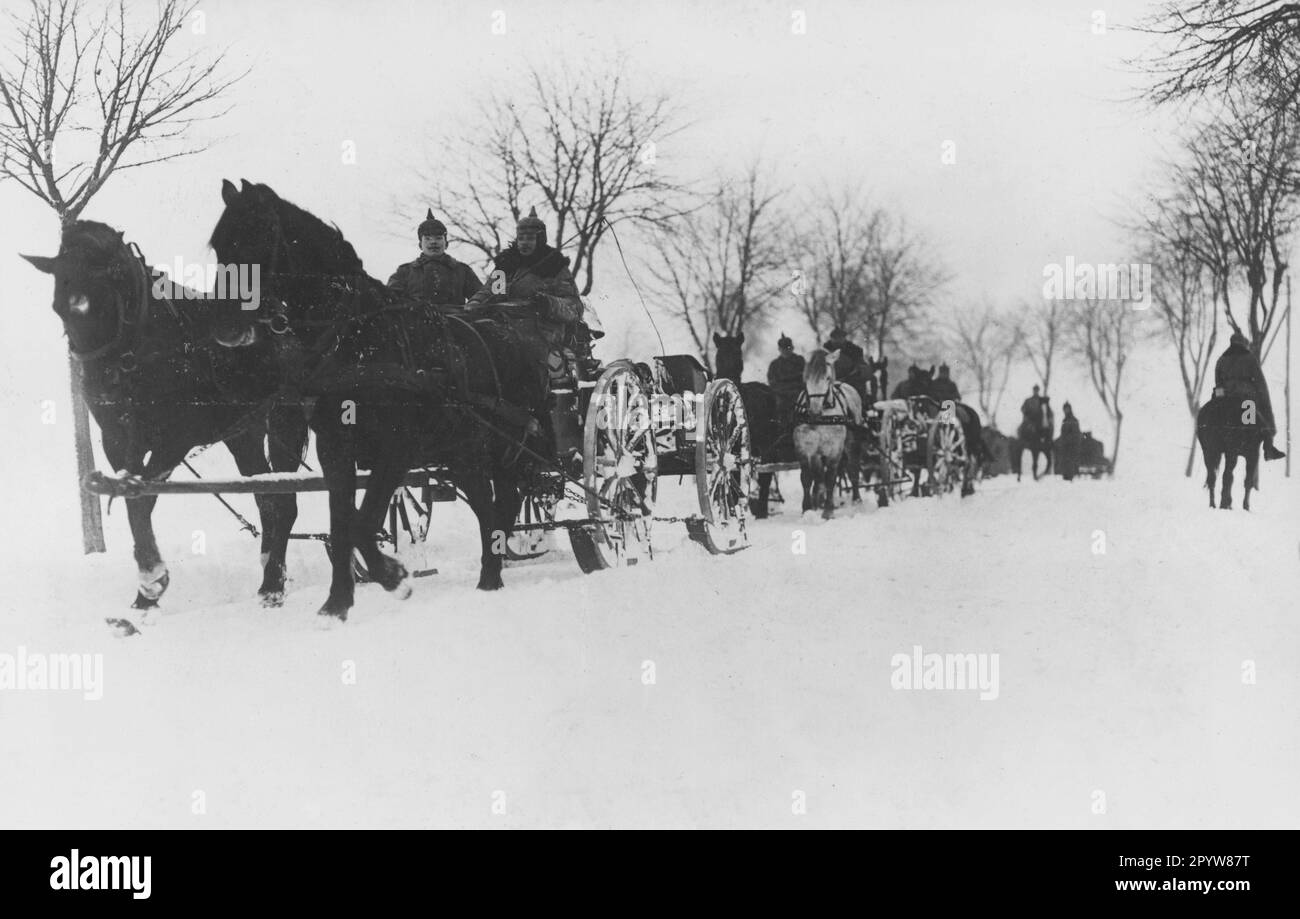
[(784, 342), (532, 223), (431, 226)]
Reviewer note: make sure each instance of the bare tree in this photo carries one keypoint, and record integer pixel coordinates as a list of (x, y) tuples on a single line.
[(901, 281), (1190, 267), (70, 77), (1216, 45), (1042, 335), (579, 142), (1241, 179), (1103, 334), (986, 343), (723, 268), (835, 252)]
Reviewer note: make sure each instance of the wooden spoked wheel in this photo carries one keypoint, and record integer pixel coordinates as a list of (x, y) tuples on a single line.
[(620, 469), (946, 451), (724, 470), (534, 541)]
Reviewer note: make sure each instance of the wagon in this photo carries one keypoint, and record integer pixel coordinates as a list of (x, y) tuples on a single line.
[(917, 434)]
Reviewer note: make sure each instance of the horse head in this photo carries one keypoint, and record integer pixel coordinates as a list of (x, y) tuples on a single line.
[(96, 283), (730, 361), (298, 258)]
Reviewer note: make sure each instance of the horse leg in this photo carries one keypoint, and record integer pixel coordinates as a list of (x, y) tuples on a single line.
[(286, 442), (759, 508), (152, 574), (806, 480), (855, 468), (829, 478), (478, 491), (250, 459), (507, 500), (1211, 458), (385, 570), (1252, 475), (340, 470), (1225, 498)]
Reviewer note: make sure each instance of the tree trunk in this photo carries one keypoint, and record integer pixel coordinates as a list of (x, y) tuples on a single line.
[(1191, 452), (1114, 457), (92, 523)]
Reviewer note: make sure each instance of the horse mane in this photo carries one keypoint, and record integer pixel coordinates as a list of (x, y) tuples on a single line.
[(298, 223), (93, 232), (818, 369)]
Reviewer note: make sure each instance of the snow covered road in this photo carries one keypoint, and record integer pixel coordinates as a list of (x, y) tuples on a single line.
[(1148, 675)]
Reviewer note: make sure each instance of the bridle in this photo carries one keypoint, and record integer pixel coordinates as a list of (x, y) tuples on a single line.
[(128, 324)]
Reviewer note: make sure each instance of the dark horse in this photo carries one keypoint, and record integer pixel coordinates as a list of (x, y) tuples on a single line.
[(1034, 435), (1223, 435), (396, 385), (767, 434), (161, 379)]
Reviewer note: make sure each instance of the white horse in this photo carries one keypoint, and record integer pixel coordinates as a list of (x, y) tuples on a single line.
[(822, 439)]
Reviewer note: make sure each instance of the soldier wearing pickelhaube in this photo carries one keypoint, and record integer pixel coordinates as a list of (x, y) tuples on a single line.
[(531, 272), (435, 276)]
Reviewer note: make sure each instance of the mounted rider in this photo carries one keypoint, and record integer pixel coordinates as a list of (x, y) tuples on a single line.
[(435, 276), (1238, 373), (1031, 410)]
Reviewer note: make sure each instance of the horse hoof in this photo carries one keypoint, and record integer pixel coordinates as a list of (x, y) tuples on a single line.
[(122, 628), (334, 612), (143, 602), (272, 599), (402, 590), (488, 583)]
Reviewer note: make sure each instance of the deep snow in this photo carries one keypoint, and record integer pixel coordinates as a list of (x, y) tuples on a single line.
[(1120, 673)]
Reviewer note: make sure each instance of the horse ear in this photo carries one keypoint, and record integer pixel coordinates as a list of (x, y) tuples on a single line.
[(740, 339), (717, 339), (245, 185), (229, 193), (43, 263)]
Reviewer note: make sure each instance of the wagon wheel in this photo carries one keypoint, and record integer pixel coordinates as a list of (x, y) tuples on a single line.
[(407, 528), (532, 543), (724, 470), (946, 452), (619, 473), (892, 462)]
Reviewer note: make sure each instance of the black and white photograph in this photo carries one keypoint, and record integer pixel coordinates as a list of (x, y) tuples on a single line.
[(664, 415)]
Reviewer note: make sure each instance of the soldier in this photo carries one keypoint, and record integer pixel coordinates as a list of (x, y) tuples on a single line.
[(943, 388), (1068, 444), (1237, 373), (785, 376), (1031, 410), (529, 270), (851, 365), (435, 276)]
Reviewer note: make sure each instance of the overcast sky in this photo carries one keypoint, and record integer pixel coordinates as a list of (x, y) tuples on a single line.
[(1050, 146)]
